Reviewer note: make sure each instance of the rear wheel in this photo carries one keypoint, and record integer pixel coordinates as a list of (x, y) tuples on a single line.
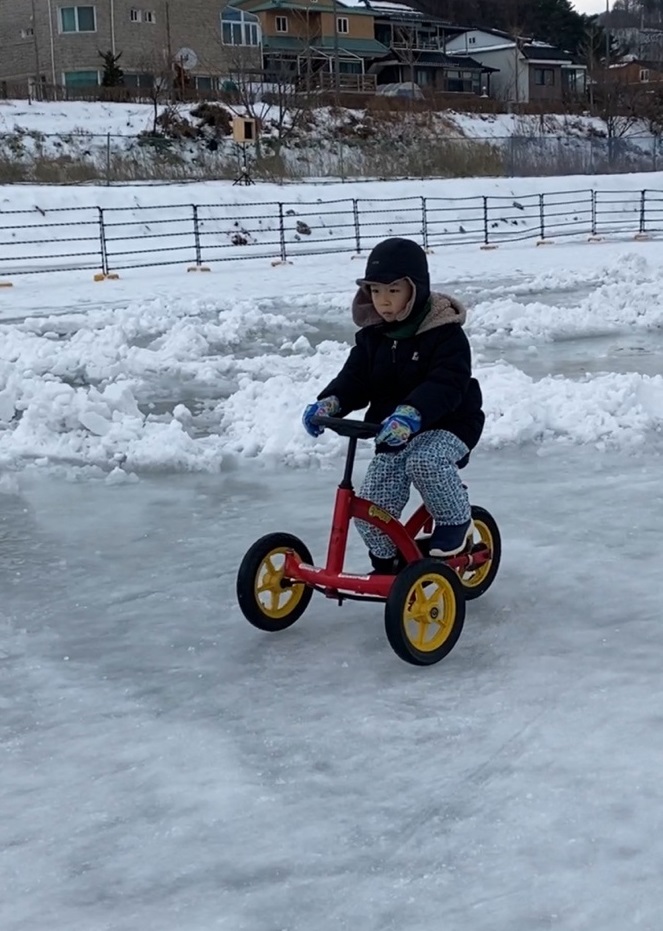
[(425, 612), (268, 599), (476, 582)]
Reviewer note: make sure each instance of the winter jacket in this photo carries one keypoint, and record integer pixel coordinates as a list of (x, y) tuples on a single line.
[(432, 370)]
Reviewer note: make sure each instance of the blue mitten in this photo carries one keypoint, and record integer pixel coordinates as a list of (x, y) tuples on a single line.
[(327, 408), (398, 429)]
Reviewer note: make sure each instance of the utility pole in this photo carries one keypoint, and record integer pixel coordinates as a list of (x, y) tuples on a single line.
[(337, 86), (36, 44)]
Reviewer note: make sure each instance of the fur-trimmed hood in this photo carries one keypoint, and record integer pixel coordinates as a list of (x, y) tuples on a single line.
[(443, 309)]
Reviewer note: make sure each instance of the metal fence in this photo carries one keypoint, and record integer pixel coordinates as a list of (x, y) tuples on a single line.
[(400, 151), (119, 238)]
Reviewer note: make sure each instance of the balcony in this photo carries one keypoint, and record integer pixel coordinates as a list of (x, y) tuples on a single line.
[(347, 83)]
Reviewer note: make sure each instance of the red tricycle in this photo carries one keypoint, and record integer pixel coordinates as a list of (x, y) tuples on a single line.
[(424, 603)]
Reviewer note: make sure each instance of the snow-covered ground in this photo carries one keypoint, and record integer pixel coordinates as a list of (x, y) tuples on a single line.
[(167, 767)]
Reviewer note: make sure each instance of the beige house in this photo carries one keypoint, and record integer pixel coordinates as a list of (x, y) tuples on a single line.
[(57, 42)]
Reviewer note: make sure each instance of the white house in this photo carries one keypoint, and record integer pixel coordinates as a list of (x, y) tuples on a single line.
[(526, 70)]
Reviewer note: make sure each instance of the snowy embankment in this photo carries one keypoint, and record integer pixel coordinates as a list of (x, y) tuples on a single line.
[(178, 374), (130, 119)]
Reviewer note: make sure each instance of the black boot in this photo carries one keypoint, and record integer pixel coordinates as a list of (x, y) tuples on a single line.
[(386, 566)]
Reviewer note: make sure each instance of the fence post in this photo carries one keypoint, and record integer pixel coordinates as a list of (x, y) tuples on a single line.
[(102, 243), (355, 213), (643, 212), (486, 231), (424, 222), (198, 267), (593, 212), (284, 253), (196, 235), (108, 159), (542, 215)]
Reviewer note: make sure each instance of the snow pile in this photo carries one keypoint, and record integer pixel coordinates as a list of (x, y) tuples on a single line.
[(176, 383), (607, 411), (624, 297), (613, 410)]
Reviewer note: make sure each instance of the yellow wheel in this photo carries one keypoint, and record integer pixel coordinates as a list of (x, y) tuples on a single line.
[(477, 582), (425, 612), (268, 599)]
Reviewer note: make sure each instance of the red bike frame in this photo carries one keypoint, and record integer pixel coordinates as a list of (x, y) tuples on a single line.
[(331, 580), (335, 583)]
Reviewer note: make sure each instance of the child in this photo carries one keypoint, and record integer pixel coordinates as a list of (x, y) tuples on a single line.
[(411, 366)]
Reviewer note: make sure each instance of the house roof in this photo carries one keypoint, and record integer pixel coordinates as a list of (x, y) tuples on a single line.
[(441, 60), (463, 62), (435, 60), (370, 48), (544, 53), (273, 6), (385, 7)]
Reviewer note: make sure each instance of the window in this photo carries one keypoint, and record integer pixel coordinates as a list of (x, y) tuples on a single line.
[(281, 23), (78, 19), (149, 16), (544, 77), (423, 77), (139, 80), (27, 33), (136, 16), (203, 84), (644, 75), (343, 25), (473, 40), (81, 78), (239, 27)]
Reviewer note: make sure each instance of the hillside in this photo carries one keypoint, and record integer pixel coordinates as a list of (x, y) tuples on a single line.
[(83, 142)]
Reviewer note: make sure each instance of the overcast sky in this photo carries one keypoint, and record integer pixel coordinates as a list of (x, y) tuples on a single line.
[(590, 6)]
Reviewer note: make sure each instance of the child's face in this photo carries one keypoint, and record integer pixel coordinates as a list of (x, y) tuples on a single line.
[(390, 300)]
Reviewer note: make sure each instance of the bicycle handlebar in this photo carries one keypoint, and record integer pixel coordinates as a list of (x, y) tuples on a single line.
[(358, 429)]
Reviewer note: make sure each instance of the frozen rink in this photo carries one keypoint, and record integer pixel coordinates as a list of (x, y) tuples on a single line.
[(166, 767)]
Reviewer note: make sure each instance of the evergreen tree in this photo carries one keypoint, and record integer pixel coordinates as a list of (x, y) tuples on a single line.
[(113, 75), (553, 21)]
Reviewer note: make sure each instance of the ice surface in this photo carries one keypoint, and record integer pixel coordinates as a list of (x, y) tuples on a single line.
[(165, 766)]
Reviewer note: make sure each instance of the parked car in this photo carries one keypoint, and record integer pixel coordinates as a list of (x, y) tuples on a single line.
[(408, 90)]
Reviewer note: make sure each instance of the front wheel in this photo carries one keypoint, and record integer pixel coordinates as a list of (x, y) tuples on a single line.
[(425, 612), (267, 599)]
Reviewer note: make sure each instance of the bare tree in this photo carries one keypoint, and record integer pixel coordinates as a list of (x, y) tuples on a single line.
[(160, 68), (620, 104)]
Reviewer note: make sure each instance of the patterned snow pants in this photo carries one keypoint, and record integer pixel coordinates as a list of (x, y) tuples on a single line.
[(429, 463)]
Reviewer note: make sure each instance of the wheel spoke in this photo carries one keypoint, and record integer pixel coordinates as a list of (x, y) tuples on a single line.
[(271, 567), (420, 642)]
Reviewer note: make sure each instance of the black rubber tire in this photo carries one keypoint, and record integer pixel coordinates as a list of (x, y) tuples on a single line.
[(250, 605), (397, 604), (481, 515)]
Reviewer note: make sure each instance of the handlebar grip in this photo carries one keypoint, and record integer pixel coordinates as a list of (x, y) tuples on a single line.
[(350, 428)]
